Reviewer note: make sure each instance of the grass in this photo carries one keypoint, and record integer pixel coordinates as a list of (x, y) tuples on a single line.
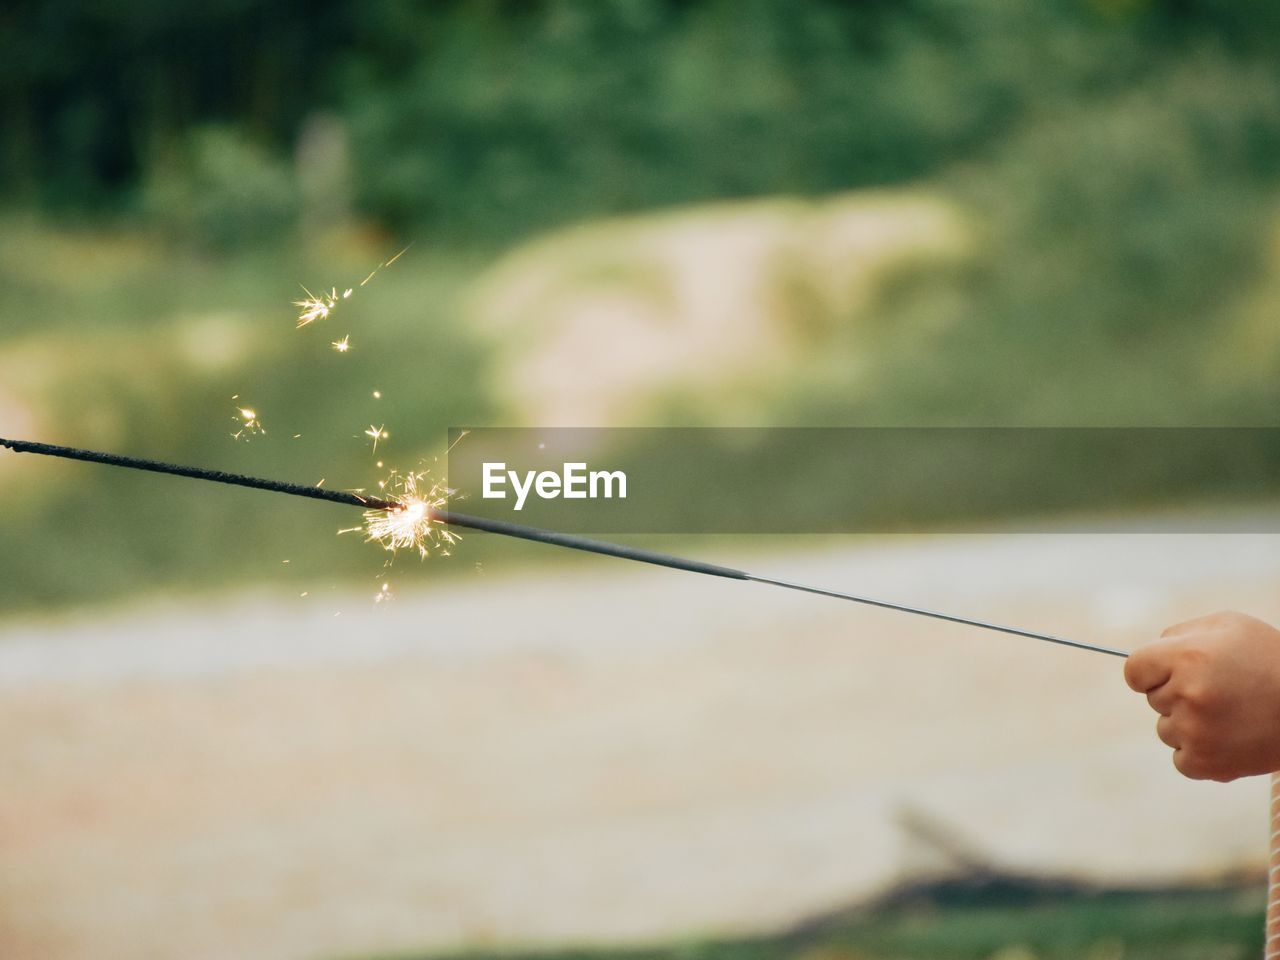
[(1013, 923)]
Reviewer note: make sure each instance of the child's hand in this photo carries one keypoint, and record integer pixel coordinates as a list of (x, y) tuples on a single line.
[(1215, 682)]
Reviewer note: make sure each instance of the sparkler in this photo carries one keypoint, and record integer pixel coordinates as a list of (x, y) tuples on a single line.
[(413, 527), (409, 516)]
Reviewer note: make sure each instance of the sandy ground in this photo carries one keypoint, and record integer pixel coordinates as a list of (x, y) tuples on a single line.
[(595, 753)]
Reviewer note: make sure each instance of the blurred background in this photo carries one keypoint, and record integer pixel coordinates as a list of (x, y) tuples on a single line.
[(616, 212)]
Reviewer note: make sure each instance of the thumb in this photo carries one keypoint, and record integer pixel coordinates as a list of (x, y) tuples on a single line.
[(1149, 666)]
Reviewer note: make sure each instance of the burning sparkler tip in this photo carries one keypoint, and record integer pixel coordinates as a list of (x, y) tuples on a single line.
[(409, 523)]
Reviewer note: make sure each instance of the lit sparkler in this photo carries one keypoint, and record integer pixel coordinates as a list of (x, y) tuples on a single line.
[(412, 523), (409, 521)]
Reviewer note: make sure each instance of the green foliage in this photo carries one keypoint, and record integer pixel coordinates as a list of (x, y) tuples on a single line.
[(223, 191), (1123, 233), (495, 118), (583, 108)]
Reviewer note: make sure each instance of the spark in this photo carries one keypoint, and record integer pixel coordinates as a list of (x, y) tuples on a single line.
[(378, 433), (377, 394), (343, 345), (247, 420), (410, 524), (321, 306), (313, 308), (384, 594), (386, 263)]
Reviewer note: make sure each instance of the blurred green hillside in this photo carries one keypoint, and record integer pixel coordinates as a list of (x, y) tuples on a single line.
[(923, 212)]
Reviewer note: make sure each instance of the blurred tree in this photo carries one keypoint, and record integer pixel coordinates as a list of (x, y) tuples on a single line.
[(491, 118), (95, 92)]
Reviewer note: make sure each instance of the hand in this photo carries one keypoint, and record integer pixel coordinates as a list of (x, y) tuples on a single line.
[(1215, 682)]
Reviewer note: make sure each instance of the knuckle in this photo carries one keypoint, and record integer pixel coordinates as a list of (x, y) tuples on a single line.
[(1231, 620), (1194, 695), (1200, 699), (1184, 627), (1188, 656)]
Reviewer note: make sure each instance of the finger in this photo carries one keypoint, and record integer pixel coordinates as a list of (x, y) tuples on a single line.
[(1167, 731), (1162, 699), (1148, 667), (1187, 765)]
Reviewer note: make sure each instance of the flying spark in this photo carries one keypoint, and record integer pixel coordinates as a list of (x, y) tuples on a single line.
[(386, 263), (378, 433), (247, 420), (343, 345), (315, 307)]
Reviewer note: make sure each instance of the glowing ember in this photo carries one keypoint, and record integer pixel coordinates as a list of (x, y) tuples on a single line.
[(343, 345)]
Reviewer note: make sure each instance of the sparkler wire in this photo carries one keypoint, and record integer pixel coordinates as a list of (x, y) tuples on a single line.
[(500, 527), (520, 531)]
